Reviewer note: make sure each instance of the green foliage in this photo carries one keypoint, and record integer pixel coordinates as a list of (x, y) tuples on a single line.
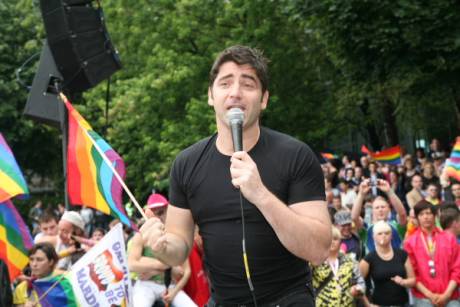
[(391, 53), (374, 67), (36, 147)]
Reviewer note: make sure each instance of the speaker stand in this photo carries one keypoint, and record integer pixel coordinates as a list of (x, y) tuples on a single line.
[(43, 104)]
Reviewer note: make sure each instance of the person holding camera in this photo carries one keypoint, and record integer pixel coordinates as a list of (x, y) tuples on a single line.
[(381, 211)]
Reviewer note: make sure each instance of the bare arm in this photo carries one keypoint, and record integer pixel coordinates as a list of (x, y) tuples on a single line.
[(364, 188), (139, 264), (384, 186), (303, 228), (449, 290), (364, 268), (427, 293), (410, 280), (184, 279), (307, 234), (173, 246)]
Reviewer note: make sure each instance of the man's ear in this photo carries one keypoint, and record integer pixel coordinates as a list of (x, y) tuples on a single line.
[(264, 101), (210, 97)]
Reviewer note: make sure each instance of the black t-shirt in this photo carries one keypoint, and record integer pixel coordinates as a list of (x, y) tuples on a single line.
[(387, 292), (200, 181)]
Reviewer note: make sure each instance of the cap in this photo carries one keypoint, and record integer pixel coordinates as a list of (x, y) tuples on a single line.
[(156, 201), (74, 218), (342, 217)]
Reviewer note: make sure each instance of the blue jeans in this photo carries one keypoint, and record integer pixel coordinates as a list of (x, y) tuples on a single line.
[(424, 302), (297, 298)]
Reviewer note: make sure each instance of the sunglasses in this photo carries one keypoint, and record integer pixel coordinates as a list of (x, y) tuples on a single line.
[(432, 268)]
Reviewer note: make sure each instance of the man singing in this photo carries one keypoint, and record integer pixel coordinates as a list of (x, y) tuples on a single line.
[(285, 216)]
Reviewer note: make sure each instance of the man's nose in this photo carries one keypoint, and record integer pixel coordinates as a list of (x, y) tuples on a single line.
[(235, 90)]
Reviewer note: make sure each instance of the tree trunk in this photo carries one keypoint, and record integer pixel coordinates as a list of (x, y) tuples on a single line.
[(370, 128), (389, 122), (456, 96)]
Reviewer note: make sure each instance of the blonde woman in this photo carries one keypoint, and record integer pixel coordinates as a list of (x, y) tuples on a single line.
[(390, 270), (337, 282)]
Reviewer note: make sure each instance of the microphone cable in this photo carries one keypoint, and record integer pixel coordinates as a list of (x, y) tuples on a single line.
[(245, 256)]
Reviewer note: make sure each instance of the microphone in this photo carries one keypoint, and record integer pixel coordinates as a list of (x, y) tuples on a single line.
[(235, 118)]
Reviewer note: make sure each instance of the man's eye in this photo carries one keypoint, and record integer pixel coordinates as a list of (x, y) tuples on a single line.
[(249, 85)]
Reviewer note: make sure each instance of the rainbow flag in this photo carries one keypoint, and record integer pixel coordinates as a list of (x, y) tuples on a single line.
[(390, 155), (13, 182), (15, 239), (329, 156), (90, 181), (453, 163), (61, 294)]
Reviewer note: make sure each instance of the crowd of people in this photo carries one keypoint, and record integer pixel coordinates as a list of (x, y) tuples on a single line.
[(395, 241), (391, 237), (400, 227), (61, 238)]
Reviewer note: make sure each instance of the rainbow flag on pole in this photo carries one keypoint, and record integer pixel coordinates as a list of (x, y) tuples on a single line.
[(91, 181), (12, 181), (55, 291), (453, 163), (329, 156), (15, 239), (390, 155)]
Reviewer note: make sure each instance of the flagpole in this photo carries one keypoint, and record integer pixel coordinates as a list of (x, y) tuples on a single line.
[(63, 275), (109, 164)]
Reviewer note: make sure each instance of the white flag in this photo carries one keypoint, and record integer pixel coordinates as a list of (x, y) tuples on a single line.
[(101, 276)]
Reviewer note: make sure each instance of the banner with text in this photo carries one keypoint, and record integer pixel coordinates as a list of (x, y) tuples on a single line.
[(101, 277)]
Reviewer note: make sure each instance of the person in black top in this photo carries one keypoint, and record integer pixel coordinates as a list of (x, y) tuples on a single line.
[(280, 179), (390, 269)]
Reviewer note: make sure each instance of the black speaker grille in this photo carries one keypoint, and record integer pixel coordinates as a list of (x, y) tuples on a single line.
[(79, 40)]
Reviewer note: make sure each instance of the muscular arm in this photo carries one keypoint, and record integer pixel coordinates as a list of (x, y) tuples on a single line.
[(173, 246), (303, 228)]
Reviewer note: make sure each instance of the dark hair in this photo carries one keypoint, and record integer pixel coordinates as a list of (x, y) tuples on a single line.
[(449, 213), (47, 217), (47, 249), (423, 205), (242, 55), (100, 229)]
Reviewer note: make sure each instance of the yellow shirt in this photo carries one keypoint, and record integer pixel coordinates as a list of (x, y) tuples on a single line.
[(21, 295)]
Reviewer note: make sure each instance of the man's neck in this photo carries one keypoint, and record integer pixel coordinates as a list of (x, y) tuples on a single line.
[(428, 230), (224, 141)]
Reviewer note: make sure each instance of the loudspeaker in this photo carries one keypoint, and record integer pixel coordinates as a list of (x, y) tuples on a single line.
[(43, 104), (79, 42)]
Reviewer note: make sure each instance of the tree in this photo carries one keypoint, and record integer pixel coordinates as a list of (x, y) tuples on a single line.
[(386, 52), (160, 105), (35, 146)]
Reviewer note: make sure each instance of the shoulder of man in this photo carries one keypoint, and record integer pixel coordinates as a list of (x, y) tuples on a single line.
[(196, 149), (280, 138), (285, 145)]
